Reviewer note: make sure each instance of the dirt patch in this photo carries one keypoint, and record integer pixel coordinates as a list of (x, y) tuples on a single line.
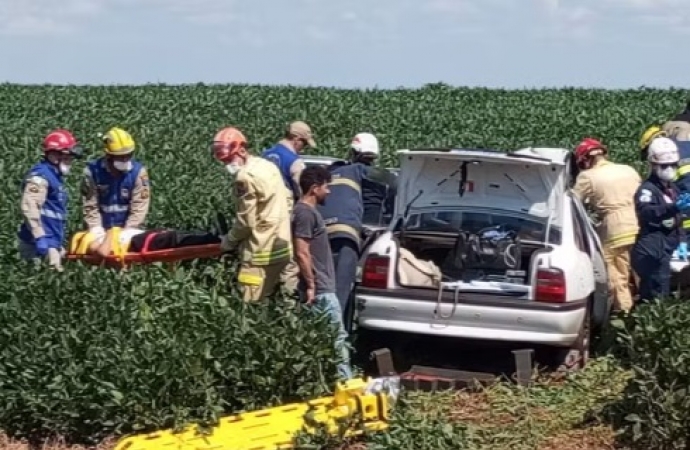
[(595, 438), (7, 443)]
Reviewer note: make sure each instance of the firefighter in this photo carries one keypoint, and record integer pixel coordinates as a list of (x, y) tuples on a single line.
[(115, 188), (609, 189), (286, 156), (261, 231), (658, 206), (355, 184), (678, 128), (45, 200)]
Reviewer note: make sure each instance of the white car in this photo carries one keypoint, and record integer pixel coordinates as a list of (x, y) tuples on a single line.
[(552, 292)]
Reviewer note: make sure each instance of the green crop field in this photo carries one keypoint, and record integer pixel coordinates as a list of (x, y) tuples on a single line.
[(93, 353)]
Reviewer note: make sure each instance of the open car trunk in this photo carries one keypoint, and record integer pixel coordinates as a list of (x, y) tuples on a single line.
[(426, 259)]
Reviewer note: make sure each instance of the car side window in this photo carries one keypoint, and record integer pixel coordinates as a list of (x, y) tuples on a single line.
[(581, 241)]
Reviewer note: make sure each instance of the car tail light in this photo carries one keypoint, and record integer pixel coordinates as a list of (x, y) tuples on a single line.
[(550, 286), (375, 273)]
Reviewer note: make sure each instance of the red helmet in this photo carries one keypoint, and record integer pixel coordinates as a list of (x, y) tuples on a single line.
[(61, 141), (587, 147), (227, 142)]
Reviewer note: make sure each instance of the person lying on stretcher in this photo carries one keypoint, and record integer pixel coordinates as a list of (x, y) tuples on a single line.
[(118, 241)]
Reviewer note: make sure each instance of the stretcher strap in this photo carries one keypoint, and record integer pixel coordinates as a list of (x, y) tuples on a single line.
[(147, 242)]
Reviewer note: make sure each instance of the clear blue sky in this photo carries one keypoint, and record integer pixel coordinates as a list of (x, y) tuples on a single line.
[(348, 43)]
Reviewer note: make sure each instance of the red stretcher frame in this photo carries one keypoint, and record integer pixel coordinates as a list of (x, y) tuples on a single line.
[(146, 256)]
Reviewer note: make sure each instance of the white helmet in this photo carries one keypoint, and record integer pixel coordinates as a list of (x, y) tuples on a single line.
[(663, 150), (365, 144)]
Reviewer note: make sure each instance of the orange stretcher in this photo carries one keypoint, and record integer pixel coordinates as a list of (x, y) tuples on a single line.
[(145, 256)]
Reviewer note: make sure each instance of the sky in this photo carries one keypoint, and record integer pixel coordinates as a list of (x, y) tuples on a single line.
[(348, 43)]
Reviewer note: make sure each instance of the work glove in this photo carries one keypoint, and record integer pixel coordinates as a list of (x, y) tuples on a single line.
[(682, 251), (683, 202), (42, 246), (226, 245)]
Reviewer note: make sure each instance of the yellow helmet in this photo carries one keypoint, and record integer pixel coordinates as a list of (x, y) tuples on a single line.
[(118, 142), (650, 134)]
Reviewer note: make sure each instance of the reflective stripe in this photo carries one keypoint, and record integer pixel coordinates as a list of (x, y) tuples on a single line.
[(251, 280), (114, 208), (346, 182), (686, 223), (52, 214), (623, 238), (267, 257), (342, 228)]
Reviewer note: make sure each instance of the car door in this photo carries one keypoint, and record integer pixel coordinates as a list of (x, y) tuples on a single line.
[(602, 298)]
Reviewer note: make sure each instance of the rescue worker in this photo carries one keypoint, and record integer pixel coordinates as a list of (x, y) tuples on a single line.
[(286, 156), (609, 189), (356, 185), (678, 128), (647, 137), (44, 201), (115, 188), (261, 231), (658, 206)]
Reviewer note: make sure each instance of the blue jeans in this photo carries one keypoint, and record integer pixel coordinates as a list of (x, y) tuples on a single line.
[(328, 304)]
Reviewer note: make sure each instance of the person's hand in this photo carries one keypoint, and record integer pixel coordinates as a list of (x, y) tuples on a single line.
[(42, 246), (226, 245), (310, 296), (683, 251)]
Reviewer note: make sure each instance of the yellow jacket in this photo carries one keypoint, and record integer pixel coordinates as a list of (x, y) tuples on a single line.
[(609, 189), (262, 223)]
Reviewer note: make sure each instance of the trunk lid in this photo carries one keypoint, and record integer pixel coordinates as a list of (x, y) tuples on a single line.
[(529, 181)]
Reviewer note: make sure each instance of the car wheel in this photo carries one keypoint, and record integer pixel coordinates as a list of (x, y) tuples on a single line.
[(576, 357)]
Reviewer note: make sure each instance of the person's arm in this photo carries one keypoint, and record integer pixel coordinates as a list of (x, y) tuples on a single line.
[(141, 201), (583, 187), (651, 212), (245, 218), (89, 194), (302, 232), (33, 198), (103, 247), (295, 172)]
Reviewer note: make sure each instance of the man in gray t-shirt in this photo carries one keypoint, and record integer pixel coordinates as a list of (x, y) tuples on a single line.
[(314, 259)]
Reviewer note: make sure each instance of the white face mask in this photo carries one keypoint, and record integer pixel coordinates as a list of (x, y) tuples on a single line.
[(123, 166), (666, 174), (64, 168), (232, 168)]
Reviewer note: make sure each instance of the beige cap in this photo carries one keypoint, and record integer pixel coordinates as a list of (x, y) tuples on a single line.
[(302, 131)]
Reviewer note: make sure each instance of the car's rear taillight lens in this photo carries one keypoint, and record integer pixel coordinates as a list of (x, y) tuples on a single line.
[(375, 272), (550, 286)]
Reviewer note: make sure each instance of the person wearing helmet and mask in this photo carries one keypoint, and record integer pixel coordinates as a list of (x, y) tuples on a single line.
[(358, 192), (608, 189), (115, 188), (44, 201), (678, 128), (261, 230), (286, 156), (658, 206)]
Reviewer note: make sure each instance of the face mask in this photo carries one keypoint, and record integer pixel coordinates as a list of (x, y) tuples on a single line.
[(665, 174), (123, 166), (64, 168), (232, 168)]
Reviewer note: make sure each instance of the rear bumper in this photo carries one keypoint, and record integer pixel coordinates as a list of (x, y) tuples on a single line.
[(475, 316)]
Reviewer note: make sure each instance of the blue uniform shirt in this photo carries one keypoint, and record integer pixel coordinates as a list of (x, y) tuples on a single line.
[(54, 209)]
